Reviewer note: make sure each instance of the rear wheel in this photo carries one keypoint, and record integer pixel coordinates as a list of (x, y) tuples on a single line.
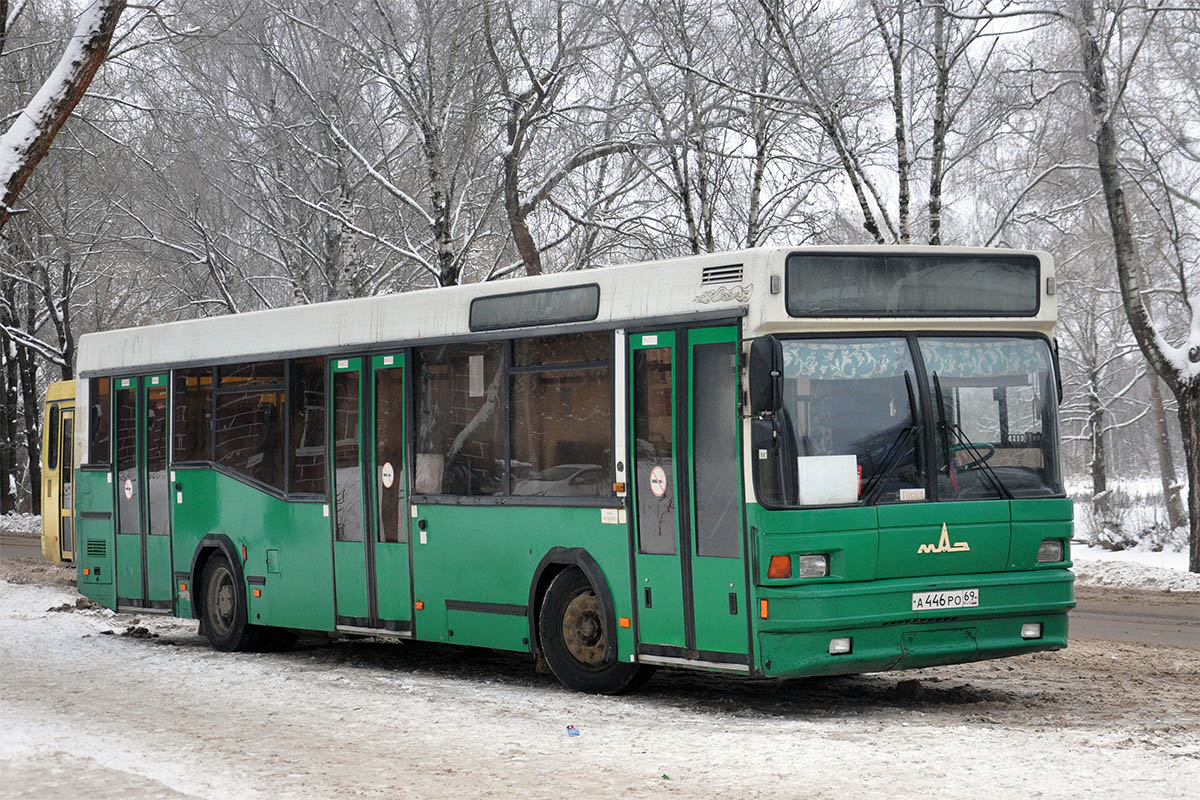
[(224, 612), (574, 640)]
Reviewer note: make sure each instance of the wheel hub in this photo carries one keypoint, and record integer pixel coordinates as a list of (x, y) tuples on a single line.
[(583, 630)]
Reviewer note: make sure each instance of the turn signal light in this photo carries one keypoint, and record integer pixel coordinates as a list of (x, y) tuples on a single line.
[(87, 571), (619, 487), (258, 592), (780, 567), (183, 587), (762, 609), (419, 605)]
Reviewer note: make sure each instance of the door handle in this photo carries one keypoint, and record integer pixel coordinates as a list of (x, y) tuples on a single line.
[(647, 593)]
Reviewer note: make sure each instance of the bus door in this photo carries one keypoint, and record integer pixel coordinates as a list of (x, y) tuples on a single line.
[(66, 484), (686, 498), (370, 548), (144, 578)]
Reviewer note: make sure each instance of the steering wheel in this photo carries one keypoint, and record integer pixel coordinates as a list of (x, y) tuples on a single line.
[(988, 447)]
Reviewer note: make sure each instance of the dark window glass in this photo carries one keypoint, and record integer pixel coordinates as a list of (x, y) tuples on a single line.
[(653, 431), (347, 470), (128, 489), (575, 348), (52, 437), (547, 307), (460, 419), (926, 285), (66, 498), (250, 435), (389, 453), (99, 422), (255, 373), (156, 458), (193, 415), (995, 414), (562, 418), (308, 426), (715, 425)]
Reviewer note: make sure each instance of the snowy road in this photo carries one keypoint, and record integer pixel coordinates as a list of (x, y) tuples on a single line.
[(167, 717)]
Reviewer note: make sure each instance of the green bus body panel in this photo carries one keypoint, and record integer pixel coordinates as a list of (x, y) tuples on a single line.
[(350, 579), (298, 589), (129, 565), (95, 548), (849, 536), (393, 596), (485, 554), (718, 630), (158, 569), (982, 526), (662, 622)]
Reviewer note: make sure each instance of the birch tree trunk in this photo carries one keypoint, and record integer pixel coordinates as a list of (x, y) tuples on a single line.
[(1178, 366)]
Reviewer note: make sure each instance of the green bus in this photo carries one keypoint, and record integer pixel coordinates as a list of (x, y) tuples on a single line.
[(771, 462)]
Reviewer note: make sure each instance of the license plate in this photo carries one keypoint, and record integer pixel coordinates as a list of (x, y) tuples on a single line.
[(943, 601)]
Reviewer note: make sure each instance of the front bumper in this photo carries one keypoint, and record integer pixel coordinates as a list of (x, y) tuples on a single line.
[(886, 634)]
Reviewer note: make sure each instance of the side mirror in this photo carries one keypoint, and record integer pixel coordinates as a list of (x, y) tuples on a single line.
[(766, 375), (1057, 370)]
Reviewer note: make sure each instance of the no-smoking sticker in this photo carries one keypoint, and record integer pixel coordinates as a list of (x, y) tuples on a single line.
[(387, 474), (128, 488), (658, 481)]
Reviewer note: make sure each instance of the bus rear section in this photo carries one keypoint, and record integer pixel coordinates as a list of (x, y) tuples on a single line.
[(909, 507), (58, 495)]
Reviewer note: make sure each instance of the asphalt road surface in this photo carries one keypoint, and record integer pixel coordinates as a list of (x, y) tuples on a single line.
[(1109, 614)]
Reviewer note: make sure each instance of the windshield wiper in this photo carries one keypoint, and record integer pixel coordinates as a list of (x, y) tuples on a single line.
[(954, 428), (891, 459)]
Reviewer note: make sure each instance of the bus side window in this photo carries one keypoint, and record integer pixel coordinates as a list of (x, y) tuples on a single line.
[(100, 422), (52, 438)]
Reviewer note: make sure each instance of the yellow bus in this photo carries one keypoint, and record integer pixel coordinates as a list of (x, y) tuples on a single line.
[(58, 499)]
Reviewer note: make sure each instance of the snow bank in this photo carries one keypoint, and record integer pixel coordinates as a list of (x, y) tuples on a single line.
[(1132, 575), (21, 523)]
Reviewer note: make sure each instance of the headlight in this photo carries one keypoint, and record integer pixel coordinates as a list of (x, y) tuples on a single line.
[(1051, 551), (812, 566)]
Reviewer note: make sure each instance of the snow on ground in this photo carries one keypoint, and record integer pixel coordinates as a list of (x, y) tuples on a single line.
[(14, 522), (134, 716), (1133, 569)]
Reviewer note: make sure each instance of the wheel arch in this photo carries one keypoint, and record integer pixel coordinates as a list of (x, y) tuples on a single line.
[(208, 547), (557, 560)]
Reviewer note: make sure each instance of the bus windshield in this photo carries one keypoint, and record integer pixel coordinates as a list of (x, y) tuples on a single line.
[(853, 420), (995, 408)]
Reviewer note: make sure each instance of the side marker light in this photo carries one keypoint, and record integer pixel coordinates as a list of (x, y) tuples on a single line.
[(183, 587), (419, 605), (623, 622), (258, 592), (762, 609), (87, 571)]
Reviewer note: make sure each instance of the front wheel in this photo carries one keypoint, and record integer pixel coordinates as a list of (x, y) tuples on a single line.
[(574, 641)]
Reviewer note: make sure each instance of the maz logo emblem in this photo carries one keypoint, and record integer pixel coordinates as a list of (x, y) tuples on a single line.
[(943, 545)]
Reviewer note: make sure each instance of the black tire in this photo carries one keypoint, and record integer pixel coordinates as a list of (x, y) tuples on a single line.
[(224, 611), (572, 633)]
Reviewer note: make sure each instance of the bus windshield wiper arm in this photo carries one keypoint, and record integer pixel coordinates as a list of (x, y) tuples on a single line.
[(874, 487), (956, 429)]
